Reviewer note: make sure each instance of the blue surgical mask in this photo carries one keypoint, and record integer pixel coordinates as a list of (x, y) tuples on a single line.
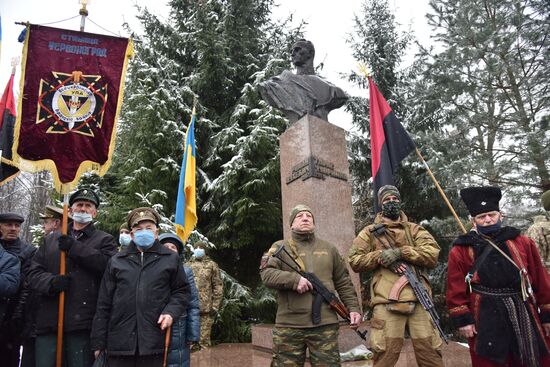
[(198, 253), (489, 230), (144, 238), (124, 239), (82, 218)]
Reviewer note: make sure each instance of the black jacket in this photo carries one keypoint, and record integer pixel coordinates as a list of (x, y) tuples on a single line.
[(136, 289), (10, 273), (86, 262), (14, 311)]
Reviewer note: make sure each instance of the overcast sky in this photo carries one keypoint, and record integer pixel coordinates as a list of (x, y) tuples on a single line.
[(329, 24)]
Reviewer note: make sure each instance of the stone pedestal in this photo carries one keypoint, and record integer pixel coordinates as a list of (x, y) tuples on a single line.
[(315, 172)]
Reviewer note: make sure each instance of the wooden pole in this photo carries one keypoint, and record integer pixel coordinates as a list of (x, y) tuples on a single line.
[(62, 271), (167, 344), (441, 192)]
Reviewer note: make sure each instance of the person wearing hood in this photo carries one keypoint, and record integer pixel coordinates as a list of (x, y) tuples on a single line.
[(144, 289), (186, 329), (498, 291), (88, 250), (210, 286), (295, 330), (540, 230), (390, 239)]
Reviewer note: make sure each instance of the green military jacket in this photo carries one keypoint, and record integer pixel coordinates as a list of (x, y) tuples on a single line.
[(209, 283), (418, 248), (321, 258)]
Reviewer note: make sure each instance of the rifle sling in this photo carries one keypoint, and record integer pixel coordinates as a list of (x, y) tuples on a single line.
[(297, 258)]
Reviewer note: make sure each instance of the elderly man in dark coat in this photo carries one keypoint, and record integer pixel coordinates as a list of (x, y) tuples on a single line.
[(143, 291), (88, 251), (10, 329)]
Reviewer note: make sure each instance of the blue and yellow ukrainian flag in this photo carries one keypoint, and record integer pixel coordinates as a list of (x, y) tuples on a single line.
[(186, 205)]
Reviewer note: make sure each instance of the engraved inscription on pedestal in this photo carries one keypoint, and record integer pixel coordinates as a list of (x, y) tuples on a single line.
[(314, 167)]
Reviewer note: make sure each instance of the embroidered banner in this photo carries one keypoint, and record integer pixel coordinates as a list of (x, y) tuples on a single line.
[(71, 93)]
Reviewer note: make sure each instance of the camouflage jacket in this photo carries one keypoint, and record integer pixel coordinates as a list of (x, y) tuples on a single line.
[(540, 233), (418, 248), (322, 259), (209, 283)]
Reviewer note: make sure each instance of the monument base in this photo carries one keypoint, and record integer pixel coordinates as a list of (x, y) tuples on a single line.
[(315, 172), (454, 354)]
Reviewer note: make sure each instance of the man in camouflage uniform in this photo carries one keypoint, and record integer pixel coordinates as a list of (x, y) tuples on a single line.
[(376, 251), (294, 327), (540, 231), (210, 286)]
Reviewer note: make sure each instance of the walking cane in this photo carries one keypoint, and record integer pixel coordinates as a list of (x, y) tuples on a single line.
[(167, 344)]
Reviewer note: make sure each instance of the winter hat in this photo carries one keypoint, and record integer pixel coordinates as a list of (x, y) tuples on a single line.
[(386, 191), (481, 199), (545, 199), (172, 238), (297, 209)]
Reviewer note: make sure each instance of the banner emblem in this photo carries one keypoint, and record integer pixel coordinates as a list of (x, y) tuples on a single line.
[(71, 103)]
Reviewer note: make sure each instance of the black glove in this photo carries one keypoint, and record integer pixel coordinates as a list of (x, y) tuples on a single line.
[(60, 283), (66, 242)]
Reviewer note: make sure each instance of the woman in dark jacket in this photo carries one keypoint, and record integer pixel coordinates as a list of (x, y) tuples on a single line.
[(186, 330), (143, 290)]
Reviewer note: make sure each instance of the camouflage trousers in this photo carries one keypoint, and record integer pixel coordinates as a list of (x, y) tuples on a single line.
[(289, 346), (387, 336), (206, 329)]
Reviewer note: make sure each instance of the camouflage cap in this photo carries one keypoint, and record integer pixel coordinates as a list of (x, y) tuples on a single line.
[(386, 191), (141, 214), (52, 212), (11, 217), (545, 200), (297, 209), (84, 194)]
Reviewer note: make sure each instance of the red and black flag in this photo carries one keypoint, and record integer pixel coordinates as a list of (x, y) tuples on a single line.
[(390, 142), (8, 170), (73, 85)]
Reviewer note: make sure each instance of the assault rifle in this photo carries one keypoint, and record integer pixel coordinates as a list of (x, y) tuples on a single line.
[(409, 276), (320, 293)]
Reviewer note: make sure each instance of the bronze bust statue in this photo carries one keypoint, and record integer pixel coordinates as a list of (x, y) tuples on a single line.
[(304, 92)]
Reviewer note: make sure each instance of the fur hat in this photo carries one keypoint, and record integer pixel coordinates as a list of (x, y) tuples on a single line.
[(481, 199)]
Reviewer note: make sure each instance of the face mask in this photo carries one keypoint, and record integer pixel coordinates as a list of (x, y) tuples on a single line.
[(198, 253), (144, 238), (124, 239), (489, 230), (82, 218), (391, 209)]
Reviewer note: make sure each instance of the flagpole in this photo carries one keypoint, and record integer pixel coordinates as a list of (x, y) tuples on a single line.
[(84, 13), (62, 271), (441, 192)]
